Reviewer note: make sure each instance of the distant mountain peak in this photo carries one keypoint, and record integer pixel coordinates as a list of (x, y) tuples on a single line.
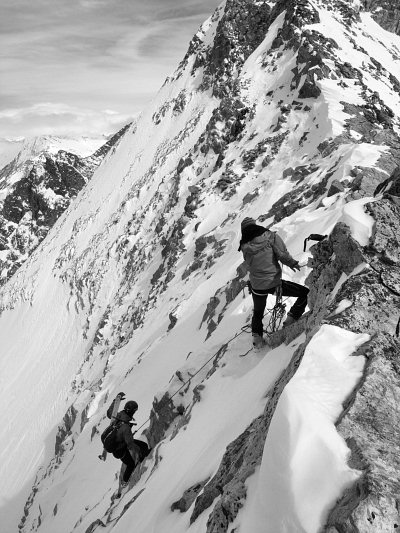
[(37, 186)]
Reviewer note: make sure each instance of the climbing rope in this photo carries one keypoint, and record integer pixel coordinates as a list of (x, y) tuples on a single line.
[(276, 315), (192, 376)]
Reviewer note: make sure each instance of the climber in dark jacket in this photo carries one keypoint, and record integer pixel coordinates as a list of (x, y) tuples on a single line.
[(130, 451), (262, 250)]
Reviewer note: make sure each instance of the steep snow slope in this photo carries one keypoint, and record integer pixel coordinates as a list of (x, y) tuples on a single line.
[(287, 112)]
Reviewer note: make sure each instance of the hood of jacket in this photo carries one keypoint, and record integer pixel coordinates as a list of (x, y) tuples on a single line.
[(250, 232)]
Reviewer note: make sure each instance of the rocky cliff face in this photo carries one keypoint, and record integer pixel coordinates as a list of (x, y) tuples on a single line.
[(385, 12), (285, 111), (33, 195)]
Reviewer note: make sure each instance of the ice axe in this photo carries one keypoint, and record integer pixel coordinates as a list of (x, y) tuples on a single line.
[(313, 237)]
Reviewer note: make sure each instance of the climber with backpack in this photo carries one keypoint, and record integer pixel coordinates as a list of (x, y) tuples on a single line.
[(262, 250), (118, 439)]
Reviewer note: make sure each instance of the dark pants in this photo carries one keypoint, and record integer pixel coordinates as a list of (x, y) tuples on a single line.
[(288, 289), (130, 465), (142, 451)]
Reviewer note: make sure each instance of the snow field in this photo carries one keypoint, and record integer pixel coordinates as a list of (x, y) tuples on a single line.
[(229, 402), (304, 468)]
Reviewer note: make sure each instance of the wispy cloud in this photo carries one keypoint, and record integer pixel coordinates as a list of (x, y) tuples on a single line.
[(88, 54), (60, 119)]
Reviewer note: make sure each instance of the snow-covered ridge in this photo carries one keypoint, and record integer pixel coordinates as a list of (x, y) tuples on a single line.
[(37, 186), (83, 146), (139, 284)]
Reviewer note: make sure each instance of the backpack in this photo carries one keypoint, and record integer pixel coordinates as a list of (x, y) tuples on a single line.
[(110, 439)]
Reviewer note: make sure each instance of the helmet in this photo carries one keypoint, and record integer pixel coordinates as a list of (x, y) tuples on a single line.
[(131, 407)]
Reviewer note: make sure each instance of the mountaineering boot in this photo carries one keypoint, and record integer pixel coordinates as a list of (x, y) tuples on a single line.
[(289, 321), (258, 341), (123, 485)]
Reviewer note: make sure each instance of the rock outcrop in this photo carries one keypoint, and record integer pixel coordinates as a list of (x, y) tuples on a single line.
[(369, 426), (385, 12)]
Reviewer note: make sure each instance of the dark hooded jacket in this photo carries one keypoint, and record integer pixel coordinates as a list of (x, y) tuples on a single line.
[(262, 250), (124, 434)]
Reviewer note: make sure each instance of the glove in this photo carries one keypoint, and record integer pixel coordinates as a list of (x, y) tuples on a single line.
[(121, 395), (296, 266)]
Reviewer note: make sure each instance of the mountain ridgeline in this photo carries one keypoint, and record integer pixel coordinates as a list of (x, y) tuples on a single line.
[(34, 193), (286, 111)]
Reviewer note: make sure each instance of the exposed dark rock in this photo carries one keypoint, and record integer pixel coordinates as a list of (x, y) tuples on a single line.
[(223, 297), (309, 88), (209, 314), (385, 12), (390, 187), (64, 431), (227, 183), (297, 198), (287, 334), (369, 425), (246, 199), (366, 180), (172, 321), (188, 497), (94, 525), (385, 237), (183, 163), (335, 188), (162, 415), (192, 201), (207, 250), (327, 147), (239, 31), (231, 113), (348, 71), (299, 173), (371, 429), (299, 13), (326, 273), (172, 247)]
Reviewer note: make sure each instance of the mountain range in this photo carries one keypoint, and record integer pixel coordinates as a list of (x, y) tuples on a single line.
[(37, 185)]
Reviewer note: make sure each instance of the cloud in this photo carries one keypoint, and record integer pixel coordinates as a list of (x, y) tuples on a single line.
[(89, 54), (165, 40), (59, 119)]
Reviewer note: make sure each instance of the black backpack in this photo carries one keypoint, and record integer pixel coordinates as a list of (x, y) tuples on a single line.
[(110, 439)]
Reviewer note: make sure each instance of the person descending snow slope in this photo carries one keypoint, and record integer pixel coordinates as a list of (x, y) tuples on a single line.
[(262, 250), (118, 440)]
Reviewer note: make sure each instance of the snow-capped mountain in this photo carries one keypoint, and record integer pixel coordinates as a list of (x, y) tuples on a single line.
[(9, 149), (37, 186), (285, 111)]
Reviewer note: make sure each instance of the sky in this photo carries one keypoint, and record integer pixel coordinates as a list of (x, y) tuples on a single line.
[(86, 67)]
